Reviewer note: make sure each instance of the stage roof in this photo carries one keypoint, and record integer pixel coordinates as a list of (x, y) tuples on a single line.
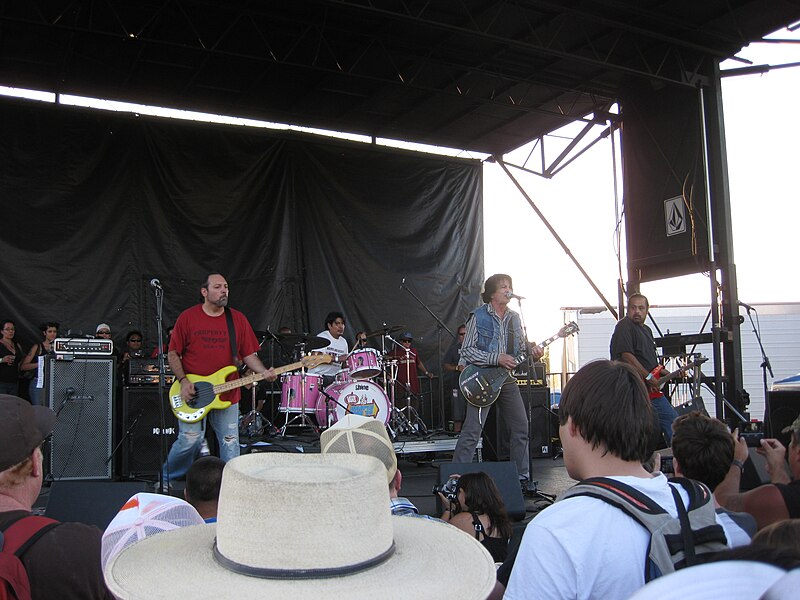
[(481, 75)]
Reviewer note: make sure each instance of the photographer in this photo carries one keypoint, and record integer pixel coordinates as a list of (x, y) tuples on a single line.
[(772, 502), (478, 509)]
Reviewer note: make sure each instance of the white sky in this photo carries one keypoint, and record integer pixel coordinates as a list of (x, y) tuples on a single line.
[(762, 130)]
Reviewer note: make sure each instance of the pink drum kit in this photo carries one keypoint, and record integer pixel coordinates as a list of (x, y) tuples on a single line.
[(356, 389)]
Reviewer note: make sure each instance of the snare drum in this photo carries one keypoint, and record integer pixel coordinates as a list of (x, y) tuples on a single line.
[(293, 391), (364, 363), (363, 398)]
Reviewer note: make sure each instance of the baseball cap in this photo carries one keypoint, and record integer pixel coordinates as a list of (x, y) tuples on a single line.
[(407, 336), (356, 434), (793, 428), (102, 326), (22, 428)]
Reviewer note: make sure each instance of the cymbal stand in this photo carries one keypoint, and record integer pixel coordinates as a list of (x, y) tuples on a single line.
[(411, 422), (398, 422), (255, 423), (304, 419)]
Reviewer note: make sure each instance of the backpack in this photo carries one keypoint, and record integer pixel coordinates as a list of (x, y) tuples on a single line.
[(675, 543), (15, 538)]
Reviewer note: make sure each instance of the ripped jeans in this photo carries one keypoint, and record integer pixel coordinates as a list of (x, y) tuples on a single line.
[(186, 448)]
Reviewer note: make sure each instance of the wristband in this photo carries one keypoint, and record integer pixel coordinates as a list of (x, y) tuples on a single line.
[(649, 377), (737, 463), (180, 379)]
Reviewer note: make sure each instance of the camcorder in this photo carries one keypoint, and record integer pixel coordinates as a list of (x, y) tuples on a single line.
[(752, 432), (449, 489)]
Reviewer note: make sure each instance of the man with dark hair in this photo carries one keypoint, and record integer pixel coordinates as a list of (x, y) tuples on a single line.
[(64, 561), (776, 501), (632, 343), (494, 337), (201, 345), (702, 449), (203, 481), (337, 348), (582, 546)]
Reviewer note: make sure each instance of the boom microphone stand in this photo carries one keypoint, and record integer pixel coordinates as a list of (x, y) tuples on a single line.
[(765, 366), (439, 328), (532, 486), (158, 290)]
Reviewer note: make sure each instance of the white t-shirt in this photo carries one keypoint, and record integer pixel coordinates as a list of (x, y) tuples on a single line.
[(585, 548), (336, 348)]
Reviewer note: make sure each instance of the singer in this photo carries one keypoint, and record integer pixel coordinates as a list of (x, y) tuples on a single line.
[(494, 337)]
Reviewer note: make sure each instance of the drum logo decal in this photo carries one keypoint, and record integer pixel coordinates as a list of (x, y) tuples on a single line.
[(363, 406)]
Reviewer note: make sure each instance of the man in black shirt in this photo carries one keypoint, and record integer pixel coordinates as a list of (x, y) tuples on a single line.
[(632, 343)]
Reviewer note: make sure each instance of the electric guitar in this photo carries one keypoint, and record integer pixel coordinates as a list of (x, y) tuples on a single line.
[(675, 374), (207, 388), (481, 385)]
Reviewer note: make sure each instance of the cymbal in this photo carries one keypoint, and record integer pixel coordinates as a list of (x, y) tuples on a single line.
[(311, 342), (388, 329)]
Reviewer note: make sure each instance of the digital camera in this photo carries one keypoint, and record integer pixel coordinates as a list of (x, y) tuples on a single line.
[(449, 489), (752, 432)]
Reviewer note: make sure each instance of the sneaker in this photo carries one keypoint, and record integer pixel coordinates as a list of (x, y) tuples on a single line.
[(158, 489)]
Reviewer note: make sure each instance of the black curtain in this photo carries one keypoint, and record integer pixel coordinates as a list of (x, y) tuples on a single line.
[(96, 204)]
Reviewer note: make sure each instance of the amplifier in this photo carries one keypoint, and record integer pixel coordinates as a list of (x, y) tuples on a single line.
[(145, 366), (150, 379), (84, 346)]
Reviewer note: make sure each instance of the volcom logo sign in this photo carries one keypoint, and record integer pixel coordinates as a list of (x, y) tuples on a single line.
[(675, 216)]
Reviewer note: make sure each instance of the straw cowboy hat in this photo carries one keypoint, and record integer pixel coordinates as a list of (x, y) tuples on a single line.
[(305, 526)]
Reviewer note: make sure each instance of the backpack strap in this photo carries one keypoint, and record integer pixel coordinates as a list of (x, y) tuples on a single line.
[(21, 533), (625, 495)]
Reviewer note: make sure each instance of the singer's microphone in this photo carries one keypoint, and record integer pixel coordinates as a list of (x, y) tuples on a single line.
[(512, 296), (155, 284), (402, 283), (747, 306)]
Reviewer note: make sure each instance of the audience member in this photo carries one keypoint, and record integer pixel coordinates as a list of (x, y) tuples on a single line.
[(31, 363), (64, 561), (355, 434), (203, 481), (479, 510), (584, 546), (772, 502), (10, 358), (702, 449), (103, 331), (144, 515), (334, 537), (782, 534)]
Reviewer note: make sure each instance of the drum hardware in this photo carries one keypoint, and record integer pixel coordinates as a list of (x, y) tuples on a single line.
[(308, 342), (406, 419), (385, 330), (254, 423), (306, 394)]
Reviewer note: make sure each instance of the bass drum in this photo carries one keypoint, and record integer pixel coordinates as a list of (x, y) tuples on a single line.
[(363, 398)]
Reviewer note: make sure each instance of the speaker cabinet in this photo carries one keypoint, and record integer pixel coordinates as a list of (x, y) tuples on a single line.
[(81, 392), (784, 407), (504, 475), (141, 429), (91, 502), (541, 432)]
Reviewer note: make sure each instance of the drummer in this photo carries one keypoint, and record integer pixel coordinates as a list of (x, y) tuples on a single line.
[(338, 348)]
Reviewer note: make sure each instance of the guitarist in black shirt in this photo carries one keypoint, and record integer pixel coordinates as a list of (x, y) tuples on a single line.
[(494, 338)]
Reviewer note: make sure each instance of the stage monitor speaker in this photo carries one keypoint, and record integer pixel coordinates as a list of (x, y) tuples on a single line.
[(140, 427), (90, 502), (541, 432), (504, 475), (81, 392), (783, 409)]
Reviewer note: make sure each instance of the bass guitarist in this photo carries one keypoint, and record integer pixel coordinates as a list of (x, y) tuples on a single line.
[(632, 342), (494, 337), (201, 345)]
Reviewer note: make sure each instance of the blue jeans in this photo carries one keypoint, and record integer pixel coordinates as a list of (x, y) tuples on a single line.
[(513, 414), (186, 448), (666, 415), (34, 392)]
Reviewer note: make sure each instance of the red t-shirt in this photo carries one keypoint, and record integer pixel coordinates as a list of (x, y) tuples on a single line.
[(203, 345)]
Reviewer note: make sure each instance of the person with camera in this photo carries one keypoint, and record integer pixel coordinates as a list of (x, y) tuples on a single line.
[(773, 502), (476, 507)]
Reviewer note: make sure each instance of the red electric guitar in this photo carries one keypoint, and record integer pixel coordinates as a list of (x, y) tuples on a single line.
[(674, 375)]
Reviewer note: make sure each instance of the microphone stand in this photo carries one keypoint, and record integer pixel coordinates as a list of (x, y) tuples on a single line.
[(162, 451), (765, 366), (532, 486), (441, 326)]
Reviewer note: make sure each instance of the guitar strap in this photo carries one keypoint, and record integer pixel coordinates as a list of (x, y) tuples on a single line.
[(232, 338)]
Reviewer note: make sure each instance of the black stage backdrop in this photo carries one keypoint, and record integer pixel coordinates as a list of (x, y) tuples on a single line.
[(96, 204)]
